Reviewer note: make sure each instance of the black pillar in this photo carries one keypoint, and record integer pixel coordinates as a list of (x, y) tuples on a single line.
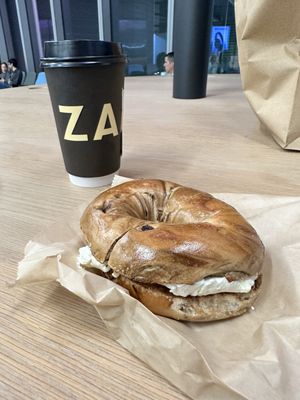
[(191, 39)]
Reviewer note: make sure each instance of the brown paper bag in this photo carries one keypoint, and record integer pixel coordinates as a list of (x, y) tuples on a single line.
[(268, 35), (252, 357)]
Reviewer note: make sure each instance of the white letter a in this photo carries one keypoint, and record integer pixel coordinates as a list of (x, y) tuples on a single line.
[(107, 112)]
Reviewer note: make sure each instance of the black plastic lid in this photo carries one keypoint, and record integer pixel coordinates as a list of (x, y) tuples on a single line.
[(70, 50)]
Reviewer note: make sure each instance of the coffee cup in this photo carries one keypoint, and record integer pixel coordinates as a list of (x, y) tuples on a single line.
[(85, 79)]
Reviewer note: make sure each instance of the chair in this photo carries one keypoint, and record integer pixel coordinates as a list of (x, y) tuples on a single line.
[(135, 69), (23, 77), (41, 79), (30, 79)]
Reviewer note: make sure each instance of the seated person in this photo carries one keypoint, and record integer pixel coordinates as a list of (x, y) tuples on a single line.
[(15, 74), (4, 73), (4, 76), (169, 63)]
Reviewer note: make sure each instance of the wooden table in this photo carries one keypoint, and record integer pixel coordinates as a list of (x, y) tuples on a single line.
[(52, 344)]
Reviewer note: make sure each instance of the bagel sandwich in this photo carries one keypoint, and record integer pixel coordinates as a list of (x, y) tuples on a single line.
[(181, 252)]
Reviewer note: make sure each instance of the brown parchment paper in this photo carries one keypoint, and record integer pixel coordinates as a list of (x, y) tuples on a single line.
[(268, 37), (254, 356)]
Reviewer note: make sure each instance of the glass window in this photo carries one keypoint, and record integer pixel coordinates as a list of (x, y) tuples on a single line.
[(45, 20), (141, 27), (15, 34), (223, 47), (80, 19)]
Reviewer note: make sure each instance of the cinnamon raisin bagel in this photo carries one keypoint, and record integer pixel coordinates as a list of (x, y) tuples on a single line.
[(183, 253)]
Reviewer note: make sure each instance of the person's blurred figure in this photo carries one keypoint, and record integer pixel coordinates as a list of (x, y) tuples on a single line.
[(213, 64), (15, 74), (4, 76), (169, 63), (4, 72)]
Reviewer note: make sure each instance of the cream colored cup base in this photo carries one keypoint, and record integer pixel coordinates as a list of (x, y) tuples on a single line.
[(92, 182)]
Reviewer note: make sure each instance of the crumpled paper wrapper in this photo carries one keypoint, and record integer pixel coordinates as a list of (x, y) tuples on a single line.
[(268, 36), (254, 356)]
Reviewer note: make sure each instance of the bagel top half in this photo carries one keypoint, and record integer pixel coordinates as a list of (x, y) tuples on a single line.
[(159, 232)]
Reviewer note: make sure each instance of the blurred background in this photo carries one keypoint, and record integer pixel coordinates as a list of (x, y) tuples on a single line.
[(144, 27)]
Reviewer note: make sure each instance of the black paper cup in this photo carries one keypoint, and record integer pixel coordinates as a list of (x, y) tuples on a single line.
[(85, 80)]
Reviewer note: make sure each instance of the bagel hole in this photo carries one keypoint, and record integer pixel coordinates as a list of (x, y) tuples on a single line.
[(147, 203), (143, 205)]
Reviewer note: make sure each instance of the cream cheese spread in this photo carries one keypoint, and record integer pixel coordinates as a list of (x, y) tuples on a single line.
[(203, 287), (208, 286), (86, 258)]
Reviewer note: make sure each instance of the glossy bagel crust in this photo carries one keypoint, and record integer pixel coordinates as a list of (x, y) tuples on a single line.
[(157, 232)]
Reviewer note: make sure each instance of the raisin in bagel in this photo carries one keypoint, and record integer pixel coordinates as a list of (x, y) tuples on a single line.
[(159, 239)]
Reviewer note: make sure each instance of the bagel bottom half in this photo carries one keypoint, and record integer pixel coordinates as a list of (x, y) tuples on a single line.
[(160, 301)]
